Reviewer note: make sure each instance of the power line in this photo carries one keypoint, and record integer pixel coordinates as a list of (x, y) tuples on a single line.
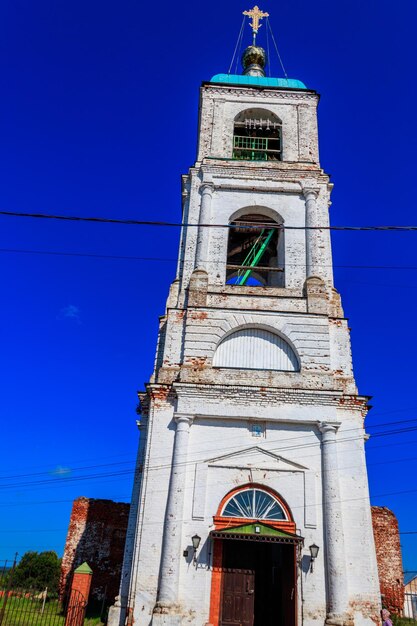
[(68, 479), (316, 504), (255, 226), (174, 260), (90, 459), (62, 530), (36, 502), (58, 478), (390, 461), (64, 480), (156, 467), (72, 469)]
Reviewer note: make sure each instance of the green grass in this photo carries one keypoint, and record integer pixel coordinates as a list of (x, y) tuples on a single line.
[(403, 621), (25, 611)]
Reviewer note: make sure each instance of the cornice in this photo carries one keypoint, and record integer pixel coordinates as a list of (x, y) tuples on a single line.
[(212, 91), (290, 173), (272, 395), (261, 396)]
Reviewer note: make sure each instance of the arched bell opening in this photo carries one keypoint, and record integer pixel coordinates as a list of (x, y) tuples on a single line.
[(255, 252), (257, 136)]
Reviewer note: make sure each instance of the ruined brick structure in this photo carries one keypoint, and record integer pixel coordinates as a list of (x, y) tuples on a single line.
[(388, 554), (96, 535)]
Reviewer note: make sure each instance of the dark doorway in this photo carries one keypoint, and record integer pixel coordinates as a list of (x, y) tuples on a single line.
[(264, 584)]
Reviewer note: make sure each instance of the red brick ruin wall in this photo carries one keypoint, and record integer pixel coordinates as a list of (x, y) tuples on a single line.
[(388, 555), (96, 535)]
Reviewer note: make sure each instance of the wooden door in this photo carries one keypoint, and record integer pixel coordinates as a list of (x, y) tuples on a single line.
[(238, 597)]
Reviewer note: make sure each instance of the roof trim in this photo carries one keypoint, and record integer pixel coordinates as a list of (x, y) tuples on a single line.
[(256, 531), (257, 81)]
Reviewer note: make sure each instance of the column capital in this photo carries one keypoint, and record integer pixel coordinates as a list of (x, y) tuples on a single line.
[(328, 427), (183, 418), (207, 187), (310, 193)]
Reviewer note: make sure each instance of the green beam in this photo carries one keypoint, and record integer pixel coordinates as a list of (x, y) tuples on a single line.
[(256, 259)]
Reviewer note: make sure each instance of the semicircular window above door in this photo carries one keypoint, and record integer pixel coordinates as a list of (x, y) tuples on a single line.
[(254, 504)]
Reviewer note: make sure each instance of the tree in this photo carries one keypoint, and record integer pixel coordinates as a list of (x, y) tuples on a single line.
[(37, 570)]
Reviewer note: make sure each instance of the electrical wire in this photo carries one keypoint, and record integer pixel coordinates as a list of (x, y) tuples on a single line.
[(132, 460), (55, 479), (268, 56), (61, 530), (249, 225), (158, 467), (268, 24), (185, 263), (237, 44), (239, 50), (238, 437)]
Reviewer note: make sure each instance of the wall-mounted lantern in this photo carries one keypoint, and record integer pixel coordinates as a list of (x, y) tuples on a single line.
[(196, 542), (314, 550)]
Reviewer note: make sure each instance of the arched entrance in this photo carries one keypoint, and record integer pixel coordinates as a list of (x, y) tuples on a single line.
[(254, 580)]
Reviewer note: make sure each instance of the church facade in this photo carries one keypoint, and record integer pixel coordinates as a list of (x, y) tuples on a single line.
[(251, 503)]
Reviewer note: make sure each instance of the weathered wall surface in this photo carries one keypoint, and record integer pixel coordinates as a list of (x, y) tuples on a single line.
[(210, 429), (388, 554), (97, 535)]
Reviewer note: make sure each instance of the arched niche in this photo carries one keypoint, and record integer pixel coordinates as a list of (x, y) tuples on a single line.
[(258, 348), (255, 249), (257, 136)]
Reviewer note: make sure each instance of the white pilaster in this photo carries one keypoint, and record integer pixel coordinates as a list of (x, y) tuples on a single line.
[(171, 547), (310, 196), (337, 598), (201, 256)]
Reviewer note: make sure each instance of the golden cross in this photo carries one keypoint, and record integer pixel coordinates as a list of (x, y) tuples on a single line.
[(256, 14)]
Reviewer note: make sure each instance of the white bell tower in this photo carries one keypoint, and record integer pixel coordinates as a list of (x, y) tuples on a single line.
[(252, 428)]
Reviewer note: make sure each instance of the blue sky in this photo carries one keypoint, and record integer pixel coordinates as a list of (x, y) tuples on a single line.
[(98, 101)]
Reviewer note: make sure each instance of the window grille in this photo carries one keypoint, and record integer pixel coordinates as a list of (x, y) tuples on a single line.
[(255, 149), (257, 136), (254, 504)]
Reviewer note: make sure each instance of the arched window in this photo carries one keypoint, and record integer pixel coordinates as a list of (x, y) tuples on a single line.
[(255, 348), (257, 136), (254, 504), (255, 252)]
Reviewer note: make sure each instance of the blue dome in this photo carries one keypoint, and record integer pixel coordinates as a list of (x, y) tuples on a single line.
[(258, 81)]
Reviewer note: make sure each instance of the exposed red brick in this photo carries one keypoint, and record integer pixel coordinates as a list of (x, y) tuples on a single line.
[(388, 554), (197, 362), (96, 535), (198, 315)]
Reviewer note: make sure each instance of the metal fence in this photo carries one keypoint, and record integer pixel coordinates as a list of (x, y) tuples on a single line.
[(37, 607), (20, 607), (410, 598)]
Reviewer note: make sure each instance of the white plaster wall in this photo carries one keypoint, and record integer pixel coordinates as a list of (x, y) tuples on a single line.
[(308, 335), (291, 209), (208, 441), (234, 194), (296, 110), (359, 539), (222, 452)]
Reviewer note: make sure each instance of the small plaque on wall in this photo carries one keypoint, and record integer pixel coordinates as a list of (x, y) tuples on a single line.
[(257, 429)]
